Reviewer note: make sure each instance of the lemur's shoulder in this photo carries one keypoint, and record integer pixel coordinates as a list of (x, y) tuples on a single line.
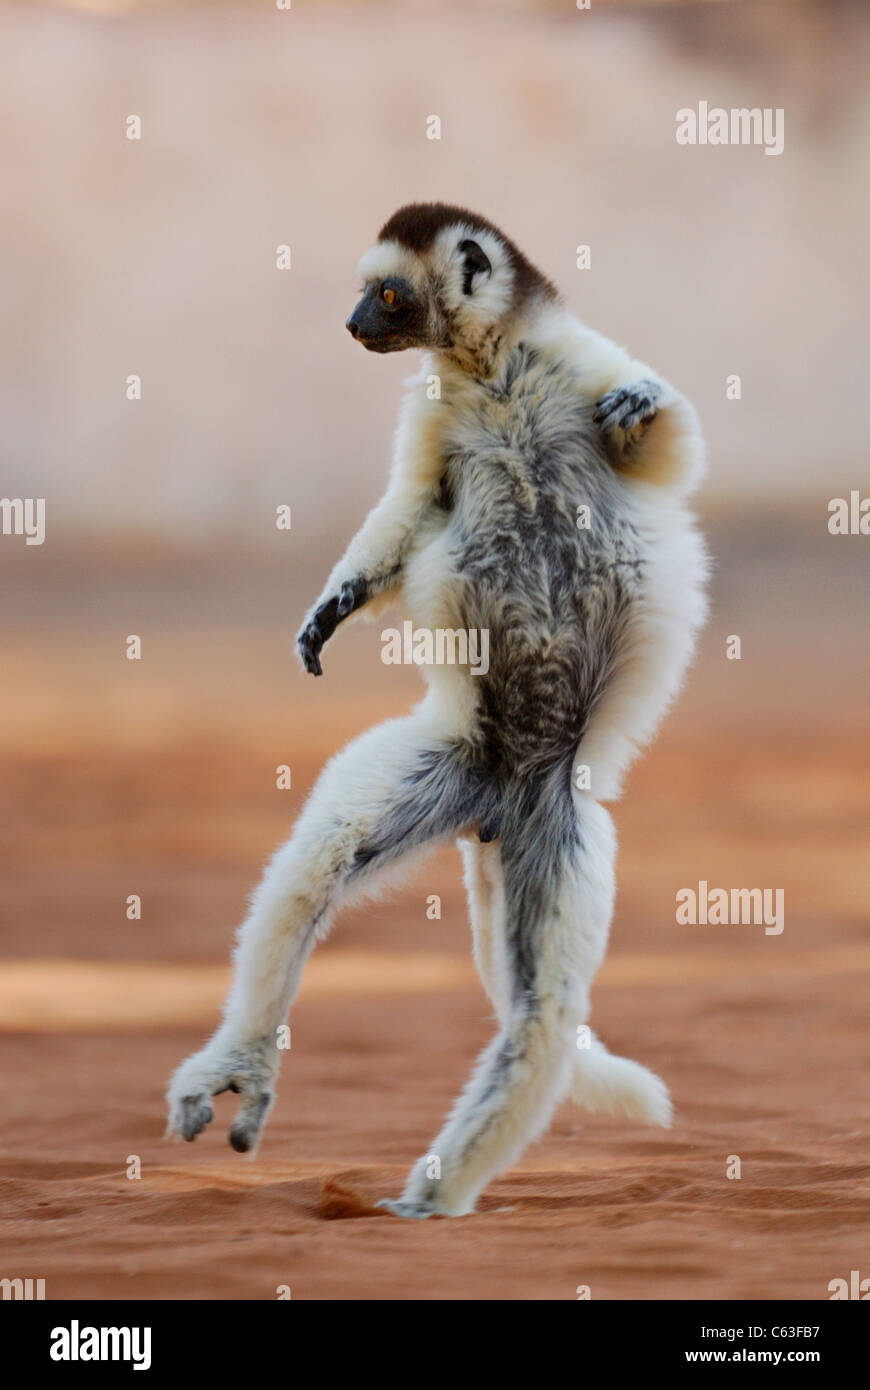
[(596, 361), (673, 455)]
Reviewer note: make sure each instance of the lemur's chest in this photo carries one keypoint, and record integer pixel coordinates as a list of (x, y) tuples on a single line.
[(520, 466), (519, 458)]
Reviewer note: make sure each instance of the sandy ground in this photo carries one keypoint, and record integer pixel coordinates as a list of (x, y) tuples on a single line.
[(158, 780)]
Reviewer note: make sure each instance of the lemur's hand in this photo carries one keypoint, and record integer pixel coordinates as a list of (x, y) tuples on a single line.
[(629, 408), (319, 627)]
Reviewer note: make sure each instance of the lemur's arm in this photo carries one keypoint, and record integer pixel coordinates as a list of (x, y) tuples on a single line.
[(624, 414), (370, 568), (650, 430)]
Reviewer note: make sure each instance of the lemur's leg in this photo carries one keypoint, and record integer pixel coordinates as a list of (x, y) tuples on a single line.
[(484, 887), (558, 886), (396, 788), (601, 1081)]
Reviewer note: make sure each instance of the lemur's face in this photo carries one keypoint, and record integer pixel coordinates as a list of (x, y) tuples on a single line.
[(391, 316), (444, 278)]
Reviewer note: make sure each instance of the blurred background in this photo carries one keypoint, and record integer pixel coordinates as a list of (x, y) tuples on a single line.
[(306, 127)]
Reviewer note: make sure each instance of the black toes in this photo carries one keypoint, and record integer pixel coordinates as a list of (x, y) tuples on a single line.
[(195, 1115), (249, 1122)]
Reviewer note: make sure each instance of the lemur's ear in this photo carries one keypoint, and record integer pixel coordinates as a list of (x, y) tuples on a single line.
[(474, 261)]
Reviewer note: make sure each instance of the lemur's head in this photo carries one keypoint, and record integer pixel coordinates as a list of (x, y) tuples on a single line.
[(444, 278)]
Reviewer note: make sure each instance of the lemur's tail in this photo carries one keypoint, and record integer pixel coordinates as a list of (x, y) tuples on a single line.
[(616, 1086)]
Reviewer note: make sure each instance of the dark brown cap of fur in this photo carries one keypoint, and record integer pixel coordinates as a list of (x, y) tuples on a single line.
[(417, 224)]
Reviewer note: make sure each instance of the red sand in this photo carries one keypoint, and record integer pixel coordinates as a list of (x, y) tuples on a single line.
[(126, 782)]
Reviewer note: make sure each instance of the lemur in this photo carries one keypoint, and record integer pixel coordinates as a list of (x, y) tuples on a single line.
[(538, 493)]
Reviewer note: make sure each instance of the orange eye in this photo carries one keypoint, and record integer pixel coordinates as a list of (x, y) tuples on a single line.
[(388, 295)]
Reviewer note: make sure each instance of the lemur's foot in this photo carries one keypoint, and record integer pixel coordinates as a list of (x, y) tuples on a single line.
[(411, 1211), (629, 408), (425, 1196), (319, 627), (248, 1069)]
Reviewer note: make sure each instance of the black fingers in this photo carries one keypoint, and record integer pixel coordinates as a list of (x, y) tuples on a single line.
[(326, 618), (609, 406), (627, 407), (310, 642)]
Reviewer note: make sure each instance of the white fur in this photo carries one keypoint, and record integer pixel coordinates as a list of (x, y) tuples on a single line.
[(388, 258)]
